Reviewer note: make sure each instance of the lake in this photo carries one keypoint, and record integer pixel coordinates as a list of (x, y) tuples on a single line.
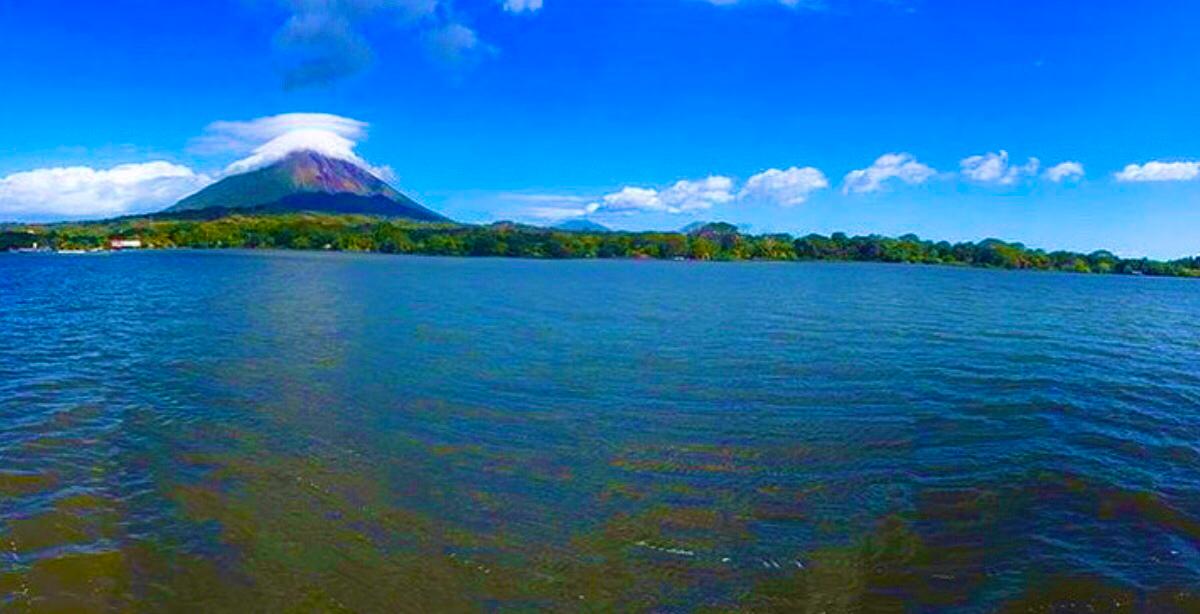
[(255, 431)]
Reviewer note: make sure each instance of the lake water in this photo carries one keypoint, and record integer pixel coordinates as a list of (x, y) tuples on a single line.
[(257, 431)]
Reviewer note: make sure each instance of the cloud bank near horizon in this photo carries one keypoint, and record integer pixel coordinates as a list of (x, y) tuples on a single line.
[(82, 192), (78, 192), (86, 192), (795, 186)]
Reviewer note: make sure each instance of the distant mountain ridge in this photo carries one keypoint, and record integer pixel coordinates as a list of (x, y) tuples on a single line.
[(306, 181), (582, 225)]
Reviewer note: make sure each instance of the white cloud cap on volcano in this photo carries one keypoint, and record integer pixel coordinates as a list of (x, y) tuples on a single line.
[(270, 139), (244, 135), (82, 191), (323, 142)]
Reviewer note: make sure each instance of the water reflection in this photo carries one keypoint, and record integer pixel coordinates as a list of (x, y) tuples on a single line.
[(300, 432)]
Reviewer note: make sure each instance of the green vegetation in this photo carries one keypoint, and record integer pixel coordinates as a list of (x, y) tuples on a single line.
[(715, 241), (17, 239)]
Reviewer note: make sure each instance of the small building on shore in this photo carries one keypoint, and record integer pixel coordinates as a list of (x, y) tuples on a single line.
[(122, 243)]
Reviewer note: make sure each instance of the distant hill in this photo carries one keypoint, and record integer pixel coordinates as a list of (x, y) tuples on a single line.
[(582, 226), (303, 181), (710, 228)]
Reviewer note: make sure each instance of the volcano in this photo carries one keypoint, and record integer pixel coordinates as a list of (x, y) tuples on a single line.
[(304, 181)]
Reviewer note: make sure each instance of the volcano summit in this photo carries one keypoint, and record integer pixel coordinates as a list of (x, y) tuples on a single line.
[(304, 181)]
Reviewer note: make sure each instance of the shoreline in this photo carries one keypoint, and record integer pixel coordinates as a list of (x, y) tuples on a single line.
[(748, 261), (710, 242)]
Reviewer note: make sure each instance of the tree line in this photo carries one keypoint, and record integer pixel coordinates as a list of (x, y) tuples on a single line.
[(715, 241)]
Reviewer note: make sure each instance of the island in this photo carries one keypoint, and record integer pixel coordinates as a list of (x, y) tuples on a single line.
[(308, 201)]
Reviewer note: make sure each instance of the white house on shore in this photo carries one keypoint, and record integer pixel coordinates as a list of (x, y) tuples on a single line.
[(119, 243)]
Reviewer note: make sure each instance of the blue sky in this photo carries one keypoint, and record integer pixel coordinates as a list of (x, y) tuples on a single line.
[(638, 113)]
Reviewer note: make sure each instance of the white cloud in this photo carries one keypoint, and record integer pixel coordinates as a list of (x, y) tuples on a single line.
[(815, 4), (551, 207), (269, 139), (81, 191), (900, 166), (630, 199), (994, 168), (516, 6), (682, 197), (698, 195), (1160, 171), (456, 44), (522, 197), (1065, 171), (242, 136), (556, 214), (787, 188), (322, 40), (519, 6), (321, 141)]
